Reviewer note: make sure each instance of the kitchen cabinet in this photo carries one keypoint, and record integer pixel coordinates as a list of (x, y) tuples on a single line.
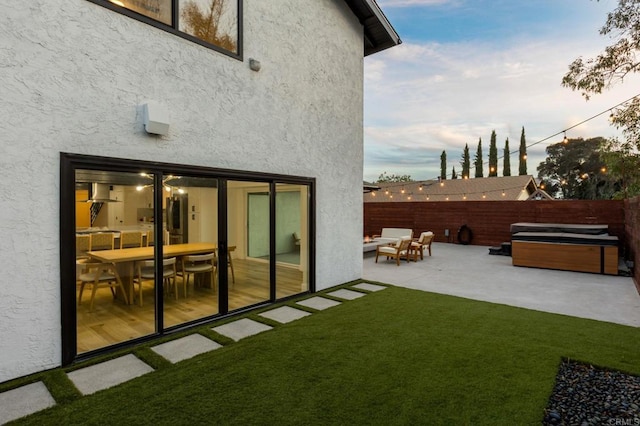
[(115, 210)]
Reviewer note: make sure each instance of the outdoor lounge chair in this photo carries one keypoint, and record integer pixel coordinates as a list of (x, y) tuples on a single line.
[(425, 240), (399, 250)]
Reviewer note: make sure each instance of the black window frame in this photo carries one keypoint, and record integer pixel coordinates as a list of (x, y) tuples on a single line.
[(174, 28), (70, 162)]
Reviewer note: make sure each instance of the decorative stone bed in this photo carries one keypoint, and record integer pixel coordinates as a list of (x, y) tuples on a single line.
[(569, 247), (587, 395)]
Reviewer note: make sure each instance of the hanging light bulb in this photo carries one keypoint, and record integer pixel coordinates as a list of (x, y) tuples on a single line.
[(503, 193), (402, 190), (484, 195), (464, 196), (565, 140), (420, 187)]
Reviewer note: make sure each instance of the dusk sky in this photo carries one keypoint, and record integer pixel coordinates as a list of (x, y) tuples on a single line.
[(467, 67)]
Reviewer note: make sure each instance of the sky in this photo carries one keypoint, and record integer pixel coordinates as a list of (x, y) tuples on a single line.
[(467, 67)]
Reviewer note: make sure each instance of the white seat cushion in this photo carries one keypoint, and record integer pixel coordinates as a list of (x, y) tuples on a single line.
[(390, 250)]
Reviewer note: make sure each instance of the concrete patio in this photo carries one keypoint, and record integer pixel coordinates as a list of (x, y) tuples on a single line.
[(470, 272)]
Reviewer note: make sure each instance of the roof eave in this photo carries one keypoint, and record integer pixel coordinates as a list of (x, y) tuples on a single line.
[(379, 34)]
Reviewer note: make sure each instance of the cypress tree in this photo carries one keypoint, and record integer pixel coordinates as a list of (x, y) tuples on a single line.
[(522, 170), (478, 160), (506, 160), (466, 162), (443, 165), (453, 173), (493, 156)]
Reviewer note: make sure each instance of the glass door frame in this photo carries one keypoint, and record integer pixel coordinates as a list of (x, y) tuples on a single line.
[(69, 162)]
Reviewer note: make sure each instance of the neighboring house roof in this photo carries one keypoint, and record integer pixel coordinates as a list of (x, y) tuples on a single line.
[(378, 32), (369, 187), (477, 189), (540, 194)]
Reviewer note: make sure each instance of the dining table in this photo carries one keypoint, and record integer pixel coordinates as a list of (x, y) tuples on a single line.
[(125, 259)]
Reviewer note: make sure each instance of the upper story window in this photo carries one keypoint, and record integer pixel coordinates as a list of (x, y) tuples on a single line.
[(212, 23)]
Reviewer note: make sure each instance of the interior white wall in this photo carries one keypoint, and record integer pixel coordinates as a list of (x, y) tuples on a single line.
[(74, 77)]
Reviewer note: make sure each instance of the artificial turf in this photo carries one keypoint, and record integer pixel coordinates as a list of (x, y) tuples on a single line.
[(397, 356)]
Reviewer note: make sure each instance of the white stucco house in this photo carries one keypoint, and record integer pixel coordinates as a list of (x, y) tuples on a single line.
[(230, 128)]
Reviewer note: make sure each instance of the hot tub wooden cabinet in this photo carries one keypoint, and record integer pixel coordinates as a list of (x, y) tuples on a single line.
[(580, 248)]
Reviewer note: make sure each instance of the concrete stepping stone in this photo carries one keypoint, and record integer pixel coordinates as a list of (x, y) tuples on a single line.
[(346, 294), (25, 400), (101, 376), (242, 328), (369, 287), (284, 314), (319, 303), (185, 347)]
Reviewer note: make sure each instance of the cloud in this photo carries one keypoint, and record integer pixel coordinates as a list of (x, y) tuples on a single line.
[(422, 98)]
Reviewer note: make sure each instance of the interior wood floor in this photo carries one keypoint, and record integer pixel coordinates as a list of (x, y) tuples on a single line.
[(112, 321)]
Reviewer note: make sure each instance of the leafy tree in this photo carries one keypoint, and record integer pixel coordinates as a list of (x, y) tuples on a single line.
[(592, 76), (506, 160), (522, 170), (478, 160), (205, 24), (493, 156), (453, 173), (443, 165), (386, 178), (622, 163), (574, 170), (466, 162)]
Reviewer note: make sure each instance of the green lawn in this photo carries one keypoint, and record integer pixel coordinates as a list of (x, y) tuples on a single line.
[(397, 356)]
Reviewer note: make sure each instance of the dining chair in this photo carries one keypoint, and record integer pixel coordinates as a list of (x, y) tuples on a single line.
[(233, 274), (99, 274), (129, 239), (83, 245), (102, 241), (146, 270), (199, 264)]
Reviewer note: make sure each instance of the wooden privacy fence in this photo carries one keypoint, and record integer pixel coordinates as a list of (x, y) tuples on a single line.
[(489, 221)]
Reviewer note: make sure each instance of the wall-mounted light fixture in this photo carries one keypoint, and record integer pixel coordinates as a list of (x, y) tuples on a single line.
[(254, 64), (155, 117)]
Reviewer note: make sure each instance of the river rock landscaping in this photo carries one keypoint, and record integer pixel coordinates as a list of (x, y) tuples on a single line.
[(588, 395)]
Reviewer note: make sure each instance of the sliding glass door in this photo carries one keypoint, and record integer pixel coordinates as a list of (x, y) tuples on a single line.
[(248, 233), (292, 239), (151, 248), (190, 212)]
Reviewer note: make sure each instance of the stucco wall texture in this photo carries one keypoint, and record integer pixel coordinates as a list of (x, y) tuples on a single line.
[(74, 76)]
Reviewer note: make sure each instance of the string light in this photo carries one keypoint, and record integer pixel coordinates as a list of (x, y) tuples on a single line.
[(463, 191), (565, 140)]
